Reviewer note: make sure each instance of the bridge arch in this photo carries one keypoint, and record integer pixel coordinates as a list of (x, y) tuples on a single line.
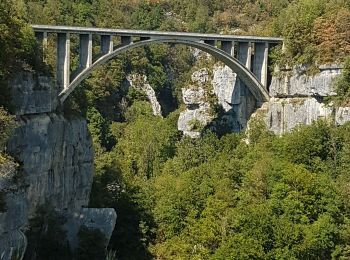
[(248, 78)]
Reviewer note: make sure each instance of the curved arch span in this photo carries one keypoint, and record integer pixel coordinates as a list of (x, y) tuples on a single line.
[(248, 78)]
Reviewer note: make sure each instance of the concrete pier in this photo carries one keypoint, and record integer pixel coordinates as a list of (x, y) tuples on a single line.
[(63, 61)]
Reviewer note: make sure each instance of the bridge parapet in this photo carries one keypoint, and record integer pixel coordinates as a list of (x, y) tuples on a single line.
[(246, 55)]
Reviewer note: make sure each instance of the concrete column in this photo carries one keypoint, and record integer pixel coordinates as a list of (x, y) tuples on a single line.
[(39, 36), (249, 56), (45, 41), (42, 39), (244, 53), (210, 42), (63, 60), (125, 40), (260, 66), (106, 44), (85, 50), (45, 45), (228, 47), (265, 67)]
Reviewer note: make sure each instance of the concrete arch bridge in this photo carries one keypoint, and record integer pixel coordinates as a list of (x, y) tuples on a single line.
[(245, 55)]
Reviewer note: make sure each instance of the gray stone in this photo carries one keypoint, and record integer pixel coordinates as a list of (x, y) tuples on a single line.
[(232, 95), (297, 83), (103, 219), (33, 94), (200, 77), (57, 160), (56, 166), (190, 117), (342, 115), (140, 82), (284, 114), (193, 95), (11, 222), (14, 245), (224, 82)]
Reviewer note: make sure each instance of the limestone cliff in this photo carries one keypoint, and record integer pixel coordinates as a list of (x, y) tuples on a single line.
[(56, 166), (210, 88), (298, 99), (140, 82)]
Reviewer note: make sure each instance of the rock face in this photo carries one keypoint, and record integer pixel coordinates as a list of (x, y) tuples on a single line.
[(342, 115), (56, 157), (296, 83), (56, 167), (197, 113), (224, 83), (140, 82), (234, 98), (284, 114), (33, 94), (297, 99)]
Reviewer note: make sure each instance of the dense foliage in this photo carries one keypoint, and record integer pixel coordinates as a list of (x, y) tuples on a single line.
[(342, 86), (278, 197)]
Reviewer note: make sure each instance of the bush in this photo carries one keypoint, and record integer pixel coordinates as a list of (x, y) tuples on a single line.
[(92, 244), (46, 237), (7, 124), (342, 86), (18, 46)]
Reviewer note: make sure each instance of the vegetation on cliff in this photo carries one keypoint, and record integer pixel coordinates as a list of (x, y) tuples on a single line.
[(342, 86)]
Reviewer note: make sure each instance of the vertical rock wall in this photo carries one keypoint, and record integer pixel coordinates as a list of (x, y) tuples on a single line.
[(55, 159), (220, 85), (297, 99)]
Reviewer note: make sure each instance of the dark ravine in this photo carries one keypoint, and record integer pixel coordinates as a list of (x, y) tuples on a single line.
[(55, 155)]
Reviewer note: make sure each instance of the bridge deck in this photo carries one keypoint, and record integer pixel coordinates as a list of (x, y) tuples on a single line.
[(157, 34)]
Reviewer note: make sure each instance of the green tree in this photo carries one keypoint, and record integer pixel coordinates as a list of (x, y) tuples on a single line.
[(91, 244), (342, 86), (46, 237)]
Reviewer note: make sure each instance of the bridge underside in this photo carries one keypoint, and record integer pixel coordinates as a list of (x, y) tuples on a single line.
[(248, 57)]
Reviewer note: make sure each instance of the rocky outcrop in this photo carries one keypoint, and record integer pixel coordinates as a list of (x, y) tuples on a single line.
[(33, 94), (295, 83), (56, 167), (224, 82), (102, 219), (342, 115), (221, 86), (197, 113), (298, 99), (140, 82), (57, 160), (284, 114)]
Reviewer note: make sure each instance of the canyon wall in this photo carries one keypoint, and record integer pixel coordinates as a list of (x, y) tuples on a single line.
[(55, 158)]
